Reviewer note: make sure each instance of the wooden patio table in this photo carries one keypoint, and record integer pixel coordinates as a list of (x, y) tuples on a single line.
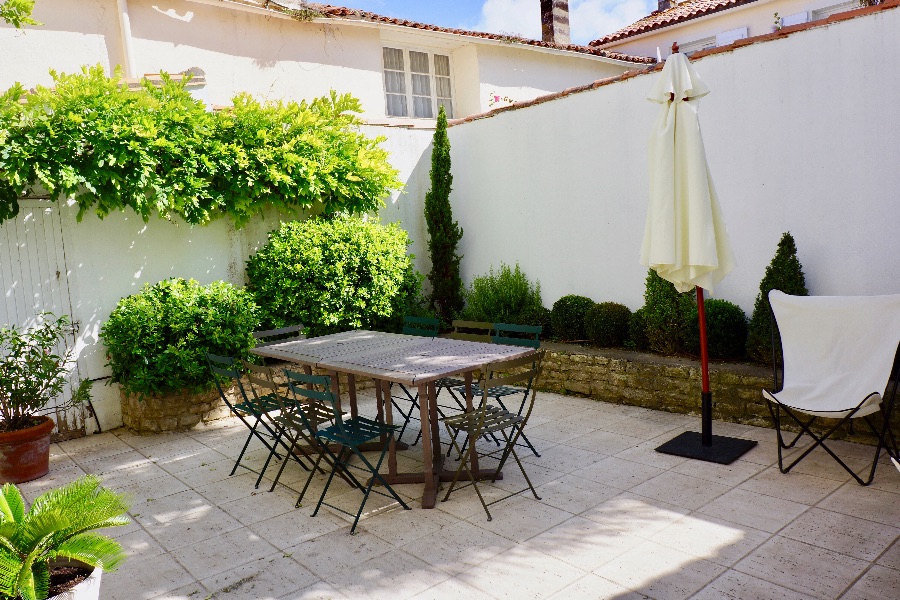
[(409, 360)]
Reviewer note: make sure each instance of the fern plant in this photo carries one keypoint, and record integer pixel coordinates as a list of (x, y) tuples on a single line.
[(60, 524)]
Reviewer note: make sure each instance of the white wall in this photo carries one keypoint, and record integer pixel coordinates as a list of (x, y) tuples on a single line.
[(799, 135), (758, 17)]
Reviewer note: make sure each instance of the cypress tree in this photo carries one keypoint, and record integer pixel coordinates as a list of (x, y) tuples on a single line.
[(786, 274), (443, 232)]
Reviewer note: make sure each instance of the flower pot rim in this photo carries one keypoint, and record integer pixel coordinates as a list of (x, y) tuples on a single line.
[(29, 433), (83, 587)]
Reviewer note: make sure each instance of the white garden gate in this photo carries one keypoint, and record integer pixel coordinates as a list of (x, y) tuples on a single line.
[(34, 280)]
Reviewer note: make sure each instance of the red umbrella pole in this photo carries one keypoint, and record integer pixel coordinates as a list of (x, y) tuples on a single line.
[(705, 394)]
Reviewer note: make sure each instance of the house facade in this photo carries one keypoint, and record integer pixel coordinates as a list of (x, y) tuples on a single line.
[(702, 24), (400, 70)]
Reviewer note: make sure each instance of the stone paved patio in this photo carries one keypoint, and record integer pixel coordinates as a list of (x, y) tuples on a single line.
[(617, 520)]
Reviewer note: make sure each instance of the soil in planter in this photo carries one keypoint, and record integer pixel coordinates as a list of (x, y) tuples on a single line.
[(24, 424), (64, 578)]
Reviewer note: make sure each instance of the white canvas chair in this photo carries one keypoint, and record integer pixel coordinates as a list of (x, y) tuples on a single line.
[(839, 354)]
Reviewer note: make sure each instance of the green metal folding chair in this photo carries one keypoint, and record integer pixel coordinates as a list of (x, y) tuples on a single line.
[(264, 388), (268, 337), (494, 420), (512, 335), (306, 415), (349, 435), (249, 410)]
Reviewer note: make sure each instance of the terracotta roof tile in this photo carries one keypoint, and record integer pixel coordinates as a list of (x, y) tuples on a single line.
[(327, 11), (677, 13)]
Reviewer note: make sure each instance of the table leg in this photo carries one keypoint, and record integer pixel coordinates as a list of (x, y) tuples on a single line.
[(473, 456), (429, 469), (336, 389), (385, 388), (351, 393)]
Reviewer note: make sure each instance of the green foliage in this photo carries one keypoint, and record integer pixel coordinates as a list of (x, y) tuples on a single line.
[(567, 317), (157, 340), (58, 525), (786, 274), (159, 150), (726, 330), (443, 232), (606, 324), (33, 371), (637, 331), (666, 313), (330, 275), (18, 13), (506, 296)]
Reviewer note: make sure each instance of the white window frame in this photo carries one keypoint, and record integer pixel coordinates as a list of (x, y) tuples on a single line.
[(697, 45), (827, 11), (407, 72)]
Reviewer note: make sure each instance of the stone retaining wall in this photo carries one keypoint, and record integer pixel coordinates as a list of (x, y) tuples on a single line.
[(670, 384)]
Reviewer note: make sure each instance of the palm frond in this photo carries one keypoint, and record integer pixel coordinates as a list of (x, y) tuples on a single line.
[(37, 531), (41, 573), (12, 506), (25, 581), (10, 563), (93, 549)]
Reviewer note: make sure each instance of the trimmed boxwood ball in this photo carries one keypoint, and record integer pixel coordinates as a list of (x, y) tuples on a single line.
[(666, 315), (567, 317), (157, 339), (726, 330), (332, 275), (606, 324), (637, 331)]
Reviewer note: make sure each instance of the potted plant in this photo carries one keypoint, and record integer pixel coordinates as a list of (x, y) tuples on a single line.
[(51, 550), (33, 372)]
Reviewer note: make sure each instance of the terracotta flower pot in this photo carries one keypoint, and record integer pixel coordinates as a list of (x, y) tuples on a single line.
[(25, 454)]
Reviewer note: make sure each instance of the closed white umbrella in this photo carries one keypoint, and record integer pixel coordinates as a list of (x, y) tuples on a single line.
[(685, 238)]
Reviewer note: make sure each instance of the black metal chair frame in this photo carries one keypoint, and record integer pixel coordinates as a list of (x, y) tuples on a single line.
[(884, 433), (350, 434), (224, 366), (493, 419)]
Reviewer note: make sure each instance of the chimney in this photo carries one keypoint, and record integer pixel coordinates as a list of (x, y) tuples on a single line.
[(555, 22), (663, 5)]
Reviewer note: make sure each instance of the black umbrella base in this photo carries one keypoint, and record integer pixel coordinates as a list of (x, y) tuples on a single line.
[(724, 450)]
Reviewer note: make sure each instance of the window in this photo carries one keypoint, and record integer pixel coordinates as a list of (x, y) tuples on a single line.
[(727, 37), (824, 13), (697, 45), (416, 83), (795, 19)]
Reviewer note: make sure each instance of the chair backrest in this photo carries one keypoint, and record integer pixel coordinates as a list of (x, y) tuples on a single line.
[(422, 326), (514, 372), (277, 336), (304, 386), (262, 383), (836, 348), (517, 335), (225, 366), (472, 331)]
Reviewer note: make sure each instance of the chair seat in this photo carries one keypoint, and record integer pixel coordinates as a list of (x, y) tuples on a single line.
[(354, 432), (830, 407), (267, 403), (495, 419), (493, 392)]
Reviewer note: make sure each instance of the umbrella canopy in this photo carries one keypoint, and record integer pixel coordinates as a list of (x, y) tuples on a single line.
[(685, 239)]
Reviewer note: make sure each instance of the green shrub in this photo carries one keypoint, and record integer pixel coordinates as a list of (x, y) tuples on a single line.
[(726, 330), (665, 315), (606, 324), (637, 331), (157, 339), (786, 274), (443, 232), (506, 296), (332, 275), (159, 149), (567, 316)]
